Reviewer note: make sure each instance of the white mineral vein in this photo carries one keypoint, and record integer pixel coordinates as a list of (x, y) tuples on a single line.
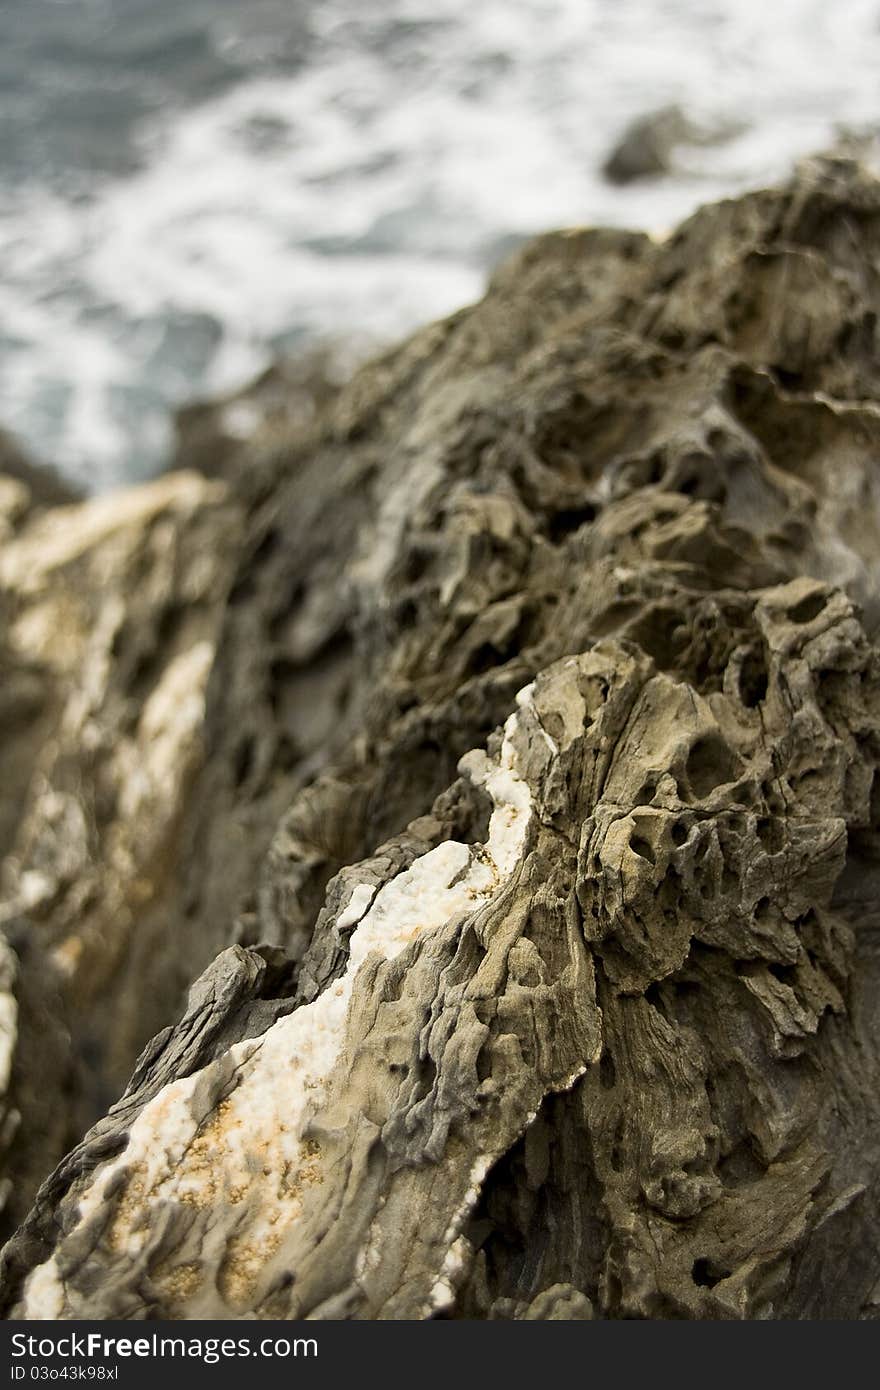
[(253, 1144)]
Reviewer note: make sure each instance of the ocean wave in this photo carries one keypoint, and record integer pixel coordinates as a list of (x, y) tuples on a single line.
[(366, 184)]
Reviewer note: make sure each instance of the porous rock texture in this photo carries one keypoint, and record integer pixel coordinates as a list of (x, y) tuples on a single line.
[(499, 737)]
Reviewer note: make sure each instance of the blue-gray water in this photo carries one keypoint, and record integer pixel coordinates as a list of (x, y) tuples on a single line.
[(188, 186)]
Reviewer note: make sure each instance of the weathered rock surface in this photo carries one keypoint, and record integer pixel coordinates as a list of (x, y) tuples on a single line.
[(509, 725)]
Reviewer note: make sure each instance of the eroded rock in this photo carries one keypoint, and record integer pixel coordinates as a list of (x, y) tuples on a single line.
[(538, 827)]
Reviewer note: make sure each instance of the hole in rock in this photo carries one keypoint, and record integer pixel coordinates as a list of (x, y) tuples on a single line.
[(679, 833), (145, 672), (700, 478), (653, 996), (791, 381), (775, 802), (244, 760), (268, 545), (753, 679), (673, 338), (563, 523), (416, 563), (720, 441), (786, 974), (484, 1064), (655, 472), (406, 614), (640, 846), (706, 1274), (483, 658), (426, 1076), (808, 608), (645, 794), (491, 653), (660, 633), (711, 764)]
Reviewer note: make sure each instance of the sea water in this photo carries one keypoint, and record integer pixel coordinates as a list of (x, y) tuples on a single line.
[(189, 187)]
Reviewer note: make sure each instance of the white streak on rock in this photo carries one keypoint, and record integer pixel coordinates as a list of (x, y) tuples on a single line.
[(459, 1249), (358, 903), (253, 1149), (526, 700), (8, 1013)]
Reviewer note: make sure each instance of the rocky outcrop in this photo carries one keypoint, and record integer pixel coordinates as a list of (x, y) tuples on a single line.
[(499, 737), (112, 608)]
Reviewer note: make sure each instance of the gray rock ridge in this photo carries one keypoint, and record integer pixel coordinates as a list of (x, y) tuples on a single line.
[(534, 816)]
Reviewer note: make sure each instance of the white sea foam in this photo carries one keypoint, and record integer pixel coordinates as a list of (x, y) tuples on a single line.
[(368, 193)]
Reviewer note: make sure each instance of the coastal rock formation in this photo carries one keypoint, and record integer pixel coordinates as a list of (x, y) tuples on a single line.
[(494, 741), (111, 611)]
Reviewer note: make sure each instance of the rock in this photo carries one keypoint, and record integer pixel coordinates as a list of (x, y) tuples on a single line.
[(38, 485), (512, 783), (229, 438), (111, 611), (648, 145), (645, 148)]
